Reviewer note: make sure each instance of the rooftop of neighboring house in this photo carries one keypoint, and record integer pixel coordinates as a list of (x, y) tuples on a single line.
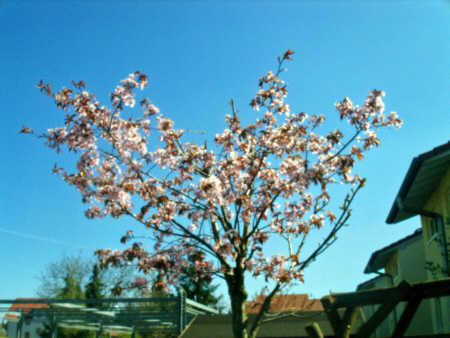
[(285, 303), (422, 178), (369, 284), (27, 307), (379, 258), (11, 316), (286, 325)]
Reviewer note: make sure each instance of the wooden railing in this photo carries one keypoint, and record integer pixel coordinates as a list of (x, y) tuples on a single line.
[(387, 298)]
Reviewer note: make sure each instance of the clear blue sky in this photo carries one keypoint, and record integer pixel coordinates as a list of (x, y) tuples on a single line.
[(199, 54)]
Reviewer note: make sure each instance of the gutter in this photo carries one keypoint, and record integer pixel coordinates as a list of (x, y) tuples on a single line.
[(406, 185)]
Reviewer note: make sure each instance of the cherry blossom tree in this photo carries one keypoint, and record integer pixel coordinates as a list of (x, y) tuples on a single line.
[(263, 180)]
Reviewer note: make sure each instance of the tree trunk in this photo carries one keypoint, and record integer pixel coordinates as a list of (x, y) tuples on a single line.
[(238, 296)]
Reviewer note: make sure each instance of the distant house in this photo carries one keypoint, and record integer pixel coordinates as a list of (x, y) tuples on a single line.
[(288, 316), (28, 317), (423, 255), (22, 322), (9, 323)]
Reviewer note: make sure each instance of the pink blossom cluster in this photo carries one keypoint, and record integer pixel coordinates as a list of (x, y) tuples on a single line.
[(267, 178)]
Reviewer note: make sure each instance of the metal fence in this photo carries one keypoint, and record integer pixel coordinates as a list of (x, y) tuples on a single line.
[(118, 315)]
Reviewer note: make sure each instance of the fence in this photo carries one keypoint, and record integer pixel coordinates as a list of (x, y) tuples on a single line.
[(125, 315)]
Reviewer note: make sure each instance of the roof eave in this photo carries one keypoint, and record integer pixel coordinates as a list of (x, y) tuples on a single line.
[(393, 216), (404, 188)]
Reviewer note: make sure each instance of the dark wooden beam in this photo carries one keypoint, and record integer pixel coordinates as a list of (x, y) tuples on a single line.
[(437, 288), (401, 291), (431, 289), (408, 314)]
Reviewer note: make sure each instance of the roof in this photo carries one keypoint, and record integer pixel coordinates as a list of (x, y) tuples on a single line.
[(11, 316), (285, 303), (422, 178), (291, 325), (27, 307), (379, 258), (365, 284)]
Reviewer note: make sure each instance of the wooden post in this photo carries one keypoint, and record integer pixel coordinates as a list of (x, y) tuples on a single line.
[(348, 320), (342, 327), (332, 314), (313, 330)]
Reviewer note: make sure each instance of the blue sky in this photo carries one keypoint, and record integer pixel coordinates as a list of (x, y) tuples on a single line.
[(199, 55)]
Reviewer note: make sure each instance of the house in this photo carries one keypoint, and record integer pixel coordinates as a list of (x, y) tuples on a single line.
[(288, 316), (22, 321), (9, 323), (291, 325), (401, 260), (423, 255), (425, 191)]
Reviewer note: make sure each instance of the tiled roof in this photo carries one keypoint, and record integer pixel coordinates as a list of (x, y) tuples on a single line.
[(289, 325), (27, 307), (285, 303), (11, 316)]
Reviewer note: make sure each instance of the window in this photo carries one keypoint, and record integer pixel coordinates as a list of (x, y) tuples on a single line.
[(433, 232), (432, 227)]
